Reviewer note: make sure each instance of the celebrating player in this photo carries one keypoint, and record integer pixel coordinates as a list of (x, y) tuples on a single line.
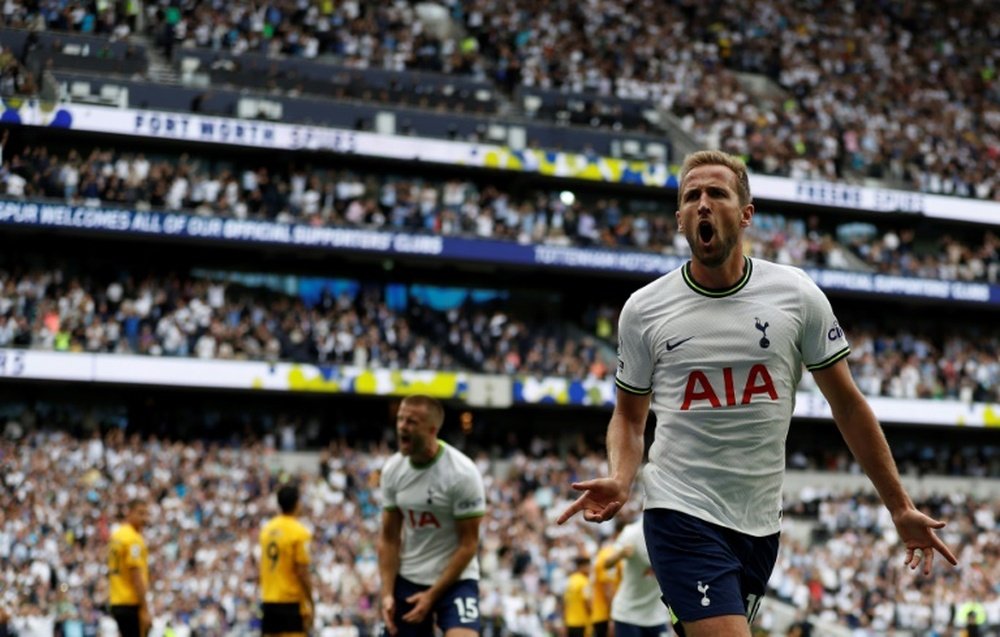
[(434, 500), (716, 349)]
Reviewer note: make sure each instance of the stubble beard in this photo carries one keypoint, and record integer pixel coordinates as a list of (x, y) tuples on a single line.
[(710, 260)]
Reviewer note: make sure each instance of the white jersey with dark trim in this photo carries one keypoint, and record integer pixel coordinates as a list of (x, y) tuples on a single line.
[(431, 498), (723, 367), (638, 599)]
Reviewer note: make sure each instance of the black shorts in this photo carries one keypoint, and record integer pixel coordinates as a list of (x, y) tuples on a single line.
[(458, 607), (281, 618), (600, 629), (706, 570), (127, 618), (576, 631)]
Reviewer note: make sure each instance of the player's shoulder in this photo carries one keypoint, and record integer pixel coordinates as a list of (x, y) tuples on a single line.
[(771, 271), (271, 524), (298, 528), (393, 465), (125, 533), (632, 532), (465, 465), (655, 289)]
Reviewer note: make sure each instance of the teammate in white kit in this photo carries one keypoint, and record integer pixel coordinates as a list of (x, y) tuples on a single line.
[(434, 500), (637, 609), (716, 349)]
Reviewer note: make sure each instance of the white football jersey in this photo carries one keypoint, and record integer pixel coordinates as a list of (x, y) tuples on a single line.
[(723, 367), (431, 498), (637, 600)]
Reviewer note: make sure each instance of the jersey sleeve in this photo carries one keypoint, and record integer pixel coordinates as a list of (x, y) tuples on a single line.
[(133, 552), (469, 496), (635, 359), (385, 484), (601, 572), (626, 538), (823, 340)]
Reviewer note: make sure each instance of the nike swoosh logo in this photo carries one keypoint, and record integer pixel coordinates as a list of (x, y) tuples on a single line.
[(671, 348)]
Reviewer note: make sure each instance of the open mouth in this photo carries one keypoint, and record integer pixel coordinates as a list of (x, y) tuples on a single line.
[(705, 231)]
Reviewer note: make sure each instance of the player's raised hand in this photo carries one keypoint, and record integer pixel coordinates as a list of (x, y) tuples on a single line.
[(602, 498), (916, 531)]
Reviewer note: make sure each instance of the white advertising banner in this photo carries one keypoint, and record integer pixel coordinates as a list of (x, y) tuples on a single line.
[(264, 134)]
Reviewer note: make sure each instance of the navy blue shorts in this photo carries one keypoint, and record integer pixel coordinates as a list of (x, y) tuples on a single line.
[(706, 570), (623, 629), (457, 608)]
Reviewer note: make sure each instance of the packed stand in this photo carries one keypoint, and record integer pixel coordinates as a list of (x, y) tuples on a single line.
[(216, 317), (859, 97), (850, 571), (208, 502), (63, 495), (453, 207)]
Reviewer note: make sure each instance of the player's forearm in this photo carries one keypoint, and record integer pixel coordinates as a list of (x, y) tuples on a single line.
[(305, 581), (860, 429), (453, 569), (139, 584), (612, 560), (625, 447), (388, 563)]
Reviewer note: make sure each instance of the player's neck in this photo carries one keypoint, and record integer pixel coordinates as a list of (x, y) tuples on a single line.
[(722, 276), (427, 455)]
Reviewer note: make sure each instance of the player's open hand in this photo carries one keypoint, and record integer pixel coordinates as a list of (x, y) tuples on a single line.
[(422, 604), (602, 498), (916, 531), (389, 613)]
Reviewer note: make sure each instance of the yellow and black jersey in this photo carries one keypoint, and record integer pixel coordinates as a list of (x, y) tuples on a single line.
[(284, 542), (576, 600), (126, 551)]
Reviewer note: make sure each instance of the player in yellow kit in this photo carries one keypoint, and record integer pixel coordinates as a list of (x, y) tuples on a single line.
[(606, 580), (576, 599), (128, 572), (285, 584)]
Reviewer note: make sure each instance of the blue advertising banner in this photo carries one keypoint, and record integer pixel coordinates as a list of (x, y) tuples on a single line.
[(168, 224)]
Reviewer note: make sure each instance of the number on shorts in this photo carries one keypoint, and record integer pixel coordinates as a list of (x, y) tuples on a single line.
[(468, 608)]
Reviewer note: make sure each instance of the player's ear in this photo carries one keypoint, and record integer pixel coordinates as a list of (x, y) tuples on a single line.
[(680, 226), (746, 216)]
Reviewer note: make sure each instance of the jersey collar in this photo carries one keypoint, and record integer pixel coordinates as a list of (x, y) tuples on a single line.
[(718, 293), (430, 463)]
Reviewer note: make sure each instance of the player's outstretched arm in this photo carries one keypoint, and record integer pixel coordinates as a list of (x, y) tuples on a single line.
[(603, 497), (864, 437)]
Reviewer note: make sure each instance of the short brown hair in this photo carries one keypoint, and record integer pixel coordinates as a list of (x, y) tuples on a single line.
[(718, 158), (435, 410)]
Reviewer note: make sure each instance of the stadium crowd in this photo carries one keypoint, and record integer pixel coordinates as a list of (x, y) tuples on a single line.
[(327, 197), (63, 495), (216, 318), (856, 95), (842, 574)]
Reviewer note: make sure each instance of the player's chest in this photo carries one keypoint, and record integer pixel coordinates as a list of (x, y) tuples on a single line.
[(424, 501), (736, 333)]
